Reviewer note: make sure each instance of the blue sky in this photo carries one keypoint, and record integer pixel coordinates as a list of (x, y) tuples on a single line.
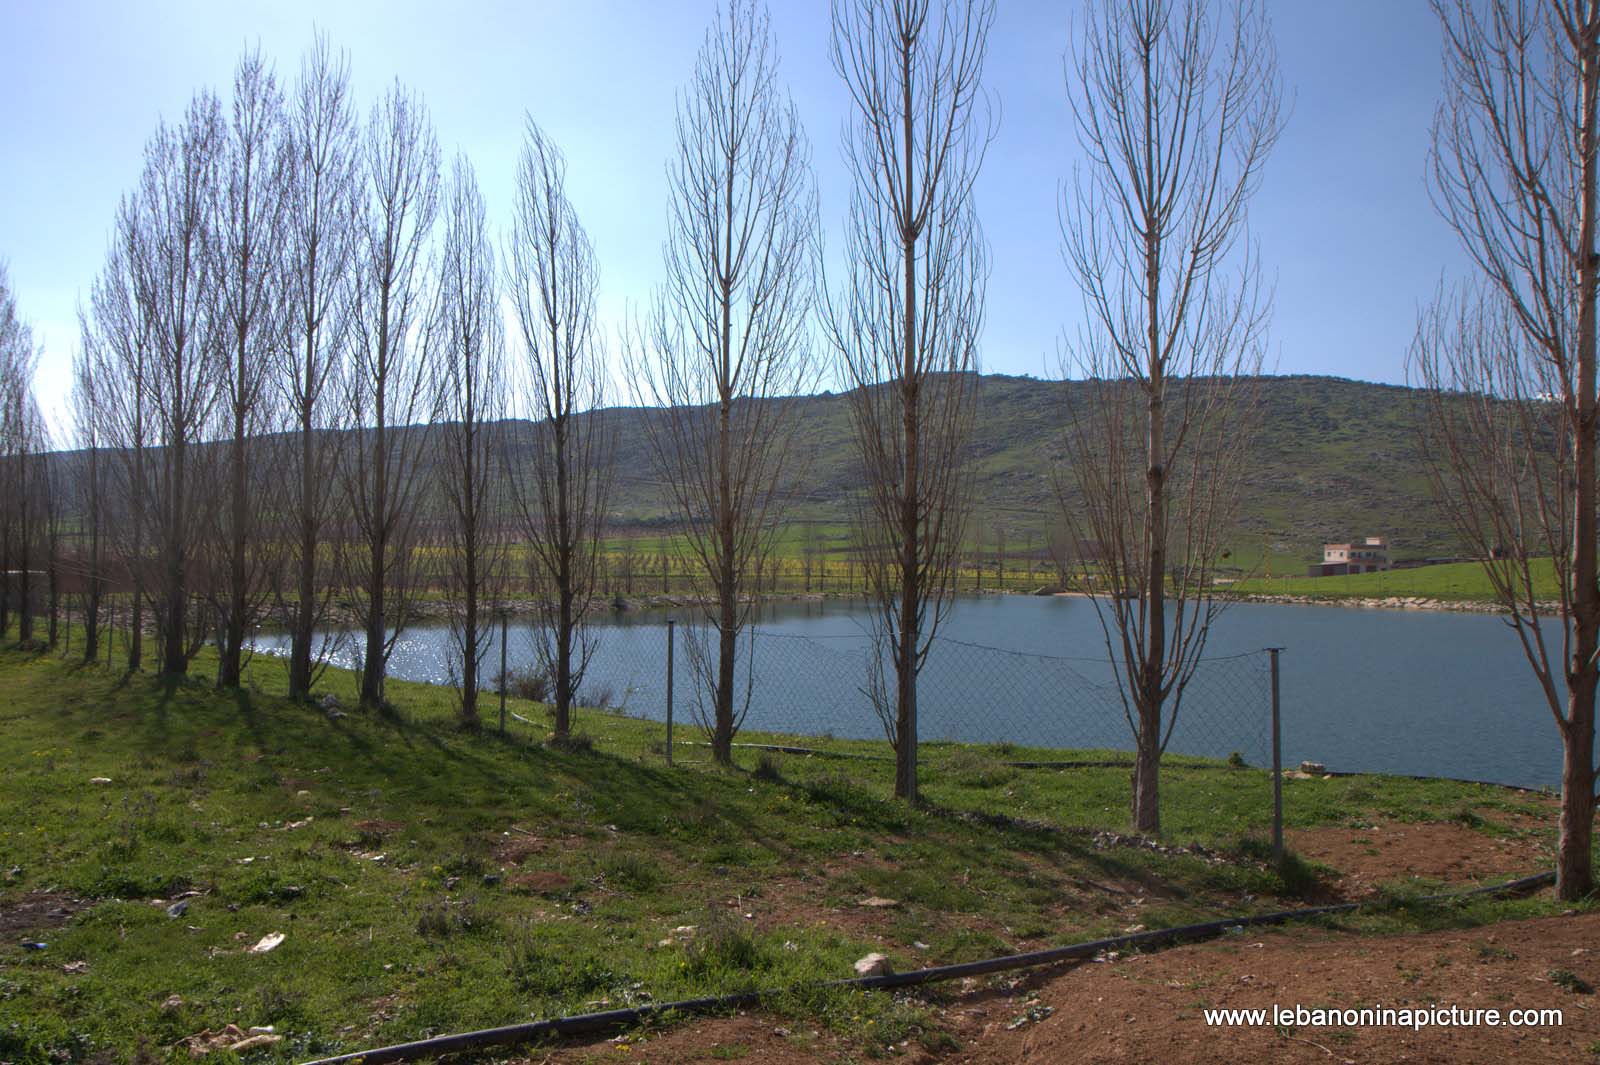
[(1343, 217)]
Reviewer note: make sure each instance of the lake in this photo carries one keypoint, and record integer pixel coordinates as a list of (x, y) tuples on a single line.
[(1438, 694)]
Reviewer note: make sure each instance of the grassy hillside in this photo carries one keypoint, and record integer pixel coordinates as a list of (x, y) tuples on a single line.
[(427, 880), (1334, 459)]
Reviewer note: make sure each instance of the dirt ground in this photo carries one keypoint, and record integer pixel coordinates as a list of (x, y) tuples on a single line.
[(1148, 1007), (1436, 850)]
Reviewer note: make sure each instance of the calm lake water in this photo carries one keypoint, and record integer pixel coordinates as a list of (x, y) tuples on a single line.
[(1375, 690)]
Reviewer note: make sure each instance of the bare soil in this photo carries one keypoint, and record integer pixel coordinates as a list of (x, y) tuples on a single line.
[(1388, 851), (37, 912)]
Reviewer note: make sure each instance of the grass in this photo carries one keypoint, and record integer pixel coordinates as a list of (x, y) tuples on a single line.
[(430, 880), (1450, 582)]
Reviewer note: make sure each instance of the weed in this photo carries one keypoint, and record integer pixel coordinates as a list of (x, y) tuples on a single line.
[(972, 768), (449, 917), (724, 946), (572, 743), (631, 872), (1568, 980), (540, 965), (769, 766), (530, 684)]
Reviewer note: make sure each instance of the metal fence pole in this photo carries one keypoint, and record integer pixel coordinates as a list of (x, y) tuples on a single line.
[(671, 626), (505, 681), (1277, 763)]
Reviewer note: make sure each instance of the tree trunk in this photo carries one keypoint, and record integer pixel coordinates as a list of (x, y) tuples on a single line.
[(1575, 859), (306, 586), (471, 638), (1574, 853), (175, 658), (231, 666), (564, 692), (1147, 771), (373, 664), (727, 657)]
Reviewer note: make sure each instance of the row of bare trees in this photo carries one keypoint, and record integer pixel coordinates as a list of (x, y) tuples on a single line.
[(296, 369), (294, 379), (298, 315)]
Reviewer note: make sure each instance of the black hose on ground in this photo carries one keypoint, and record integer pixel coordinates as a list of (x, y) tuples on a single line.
[(595, 1023)]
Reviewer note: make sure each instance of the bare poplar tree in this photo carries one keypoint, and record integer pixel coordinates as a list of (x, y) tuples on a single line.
[(88, 384), (125, 411), (249, 227), (907, 322), (173, 269), (21, 459), (321, 188), (727, 344), (1509, 362), (469, 359), (389, 387), (1176, 112), (561, 494)]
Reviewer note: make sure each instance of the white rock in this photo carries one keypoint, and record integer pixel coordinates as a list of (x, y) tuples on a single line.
[(874, 965)]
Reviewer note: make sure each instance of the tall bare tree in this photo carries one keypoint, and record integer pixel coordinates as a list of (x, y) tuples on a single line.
[(322, 186), (470, 360), (1509, 361), (562, 492), (173, 267), (22, 447), (88, 384), (249, 226), (1176, 112), (389, 386), (907, 321), (124, 410), (727, 343)]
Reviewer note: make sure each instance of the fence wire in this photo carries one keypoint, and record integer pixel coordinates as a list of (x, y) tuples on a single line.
[(820, 686)]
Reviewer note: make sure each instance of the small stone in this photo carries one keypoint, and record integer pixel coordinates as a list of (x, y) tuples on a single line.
[(330, 702), (173, 1002), (179, 908), (877, 903), (75, 968), (99, 780), (874, 965)]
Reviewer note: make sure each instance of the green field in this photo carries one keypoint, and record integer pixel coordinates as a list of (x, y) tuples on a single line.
[(429, 880), (1456, 581)]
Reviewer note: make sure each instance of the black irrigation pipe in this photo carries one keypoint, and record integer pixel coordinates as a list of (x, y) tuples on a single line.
[(596, 1023), (1127, 763), (1101, 763), (1448, 780)]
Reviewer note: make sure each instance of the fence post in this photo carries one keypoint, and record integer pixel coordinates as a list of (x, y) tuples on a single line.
[(1277, 763), (504, 680), (671, 625)]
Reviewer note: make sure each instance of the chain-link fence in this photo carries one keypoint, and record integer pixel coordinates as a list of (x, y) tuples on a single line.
[(792, 688)]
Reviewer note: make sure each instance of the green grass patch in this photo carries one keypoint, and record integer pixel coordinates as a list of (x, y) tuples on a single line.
[(428, 880)]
